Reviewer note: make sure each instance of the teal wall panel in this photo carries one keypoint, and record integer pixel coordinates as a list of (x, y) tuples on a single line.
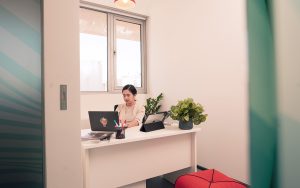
[(263, 125), (21, 106)]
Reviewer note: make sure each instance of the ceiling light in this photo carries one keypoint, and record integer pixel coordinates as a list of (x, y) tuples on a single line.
[(125, 4)]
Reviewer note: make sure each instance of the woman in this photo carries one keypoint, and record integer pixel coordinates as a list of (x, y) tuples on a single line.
[(131, 112)]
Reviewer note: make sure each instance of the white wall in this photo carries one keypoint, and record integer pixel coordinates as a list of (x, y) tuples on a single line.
[(287, 45), (61, 66), (287, 38), (198, 49)]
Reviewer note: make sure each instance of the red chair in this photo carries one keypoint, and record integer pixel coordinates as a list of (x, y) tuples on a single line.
[(207, 179)]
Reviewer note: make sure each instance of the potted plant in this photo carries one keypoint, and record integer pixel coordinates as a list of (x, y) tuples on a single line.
[(188, 113), (152, 105)]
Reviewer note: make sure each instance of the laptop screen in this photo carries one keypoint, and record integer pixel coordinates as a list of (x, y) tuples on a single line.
[(103, 120)]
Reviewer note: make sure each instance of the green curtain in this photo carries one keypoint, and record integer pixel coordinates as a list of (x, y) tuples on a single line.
[(262, 97)]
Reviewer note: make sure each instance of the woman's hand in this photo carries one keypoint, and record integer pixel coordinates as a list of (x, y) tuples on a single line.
[(132, 124)]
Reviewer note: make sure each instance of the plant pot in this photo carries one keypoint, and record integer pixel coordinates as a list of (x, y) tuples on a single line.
[(186, 125)]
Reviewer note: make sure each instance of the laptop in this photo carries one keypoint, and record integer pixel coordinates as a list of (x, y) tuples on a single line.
[(103, 120)]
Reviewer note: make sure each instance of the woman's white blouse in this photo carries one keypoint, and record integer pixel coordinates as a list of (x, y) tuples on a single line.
[(135, 112)]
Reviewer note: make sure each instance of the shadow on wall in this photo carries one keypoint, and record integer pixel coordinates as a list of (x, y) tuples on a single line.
[(289, 153)]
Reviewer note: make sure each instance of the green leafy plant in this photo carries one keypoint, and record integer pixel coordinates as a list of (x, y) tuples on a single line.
[(187, 110), (152, 105)]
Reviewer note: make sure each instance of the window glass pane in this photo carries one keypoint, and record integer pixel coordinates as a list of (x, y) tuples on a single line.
[(128, 54), (93, 50)]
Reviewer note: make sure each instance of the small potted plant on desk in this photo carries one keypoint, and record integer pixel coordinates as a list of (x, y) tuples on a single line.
[(152, 106), (188, 113)]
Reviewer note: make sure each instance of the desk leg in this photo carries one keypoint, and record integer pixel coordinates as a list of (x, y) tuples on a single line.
[(194, 152), (140, 184), (85, 163), (171, 177)]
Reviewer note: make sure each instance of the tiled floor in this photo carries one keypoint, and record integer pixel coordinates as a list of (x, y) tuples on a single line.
[(158, 182)]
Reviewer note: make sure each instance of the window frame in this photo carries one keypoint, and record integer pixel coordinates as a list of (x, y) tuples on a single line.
[(113, 15)]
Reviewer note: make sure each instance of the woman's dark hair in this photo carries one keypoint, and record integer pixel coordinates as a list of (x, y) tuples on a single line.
[(130, 88)]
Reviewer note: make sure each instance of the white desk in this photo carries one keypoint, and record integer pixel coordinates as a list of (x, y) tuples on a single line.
[(129, 162)]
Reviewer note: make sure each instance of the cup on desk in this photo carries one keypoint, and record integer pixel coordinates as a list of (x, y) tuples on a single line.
[(120, 133)]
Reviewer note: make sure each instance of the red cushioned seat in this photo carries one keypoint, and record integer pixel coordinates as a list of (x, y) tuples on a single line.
[(207, 179)]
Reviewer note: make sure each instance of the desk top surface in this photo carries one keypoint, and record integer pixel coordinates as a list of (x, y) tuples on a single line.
[(134, 134)]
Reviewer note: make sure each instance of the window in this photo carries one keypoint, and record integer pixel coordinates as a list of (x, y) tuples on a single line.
[(112, 51)]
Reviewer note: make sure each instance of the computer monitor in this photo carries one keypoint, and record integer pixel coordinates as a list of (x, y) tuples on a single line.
[(103, 120)]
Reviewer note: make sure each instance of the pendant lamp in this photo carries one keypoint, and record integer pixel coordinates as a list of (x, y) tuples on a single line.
[(124, 4)]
